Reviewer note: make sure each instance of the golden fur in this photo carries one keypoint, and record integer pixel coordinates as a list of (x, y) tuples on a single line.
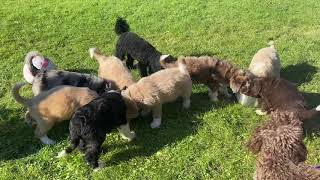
[(53, 106), (161, 87)]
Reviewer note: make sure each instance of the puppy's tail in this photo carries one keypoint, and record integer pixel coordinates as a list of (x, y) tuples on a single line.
[(95, 53), (182, 66), (271, 44), (121, 26), (16, 95), (165, 64), (308, 114)]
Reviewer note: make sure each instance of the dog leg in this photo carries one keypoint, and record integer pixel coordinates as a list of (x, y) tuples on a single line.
[(125, 132), (46, 140), (224, 90), (213, 95), (92, 155), (145, 112), (129, 62), (156, 113), (142, 69), (186, 103)]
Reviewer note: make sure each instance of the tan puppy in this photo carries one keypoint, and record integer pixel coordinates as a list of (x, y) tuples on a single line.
[(52, 106), (265, 63), (161, 87), (112, 68)]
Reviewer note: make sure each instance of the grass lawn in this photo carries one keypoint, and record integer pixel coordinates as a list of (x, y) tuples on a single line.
[(205, 142)]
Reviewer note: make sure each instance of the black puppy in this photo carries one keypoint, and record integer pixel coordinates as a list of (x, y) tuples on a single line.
[(48, 79), (90, 124), (135, 48)]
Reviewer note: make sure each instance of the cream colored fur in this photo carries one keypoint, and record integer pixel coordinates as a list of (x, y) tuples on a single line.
[(53, 106), (159, 88)]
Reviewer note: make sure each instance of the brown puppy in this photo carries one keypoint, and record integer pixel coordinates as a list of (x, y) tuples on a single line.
[(161, 87), (276, 94), (209, 71), (52, 106), (112, 68), (281, 151)]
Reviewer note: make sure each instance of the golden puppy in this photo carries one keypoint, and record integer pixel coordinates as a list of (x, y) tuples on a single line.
[(52, 106), (112, 68), (265, 63), (161, 87)]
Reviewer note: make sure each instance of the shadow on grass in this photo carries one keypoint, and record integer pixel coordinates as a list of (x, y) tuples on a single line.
[(205, 53), (177, 124), (87, 71), (312, 126), (299, 73), (17, 138)]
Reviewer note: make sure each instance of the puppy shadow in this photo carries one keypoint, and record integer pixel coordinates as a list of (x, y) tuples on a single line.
[(205, 53), (17, 138), (79, 70), (312, 126), (299, 73), (177, 124)]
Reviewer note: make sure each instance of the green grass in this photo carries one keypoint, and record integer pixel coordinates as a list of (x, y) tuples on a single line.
[(205, 142)]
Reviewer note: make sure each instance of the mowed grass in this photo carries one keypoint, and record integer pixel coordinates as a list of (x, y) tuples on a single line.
[(205, 142)]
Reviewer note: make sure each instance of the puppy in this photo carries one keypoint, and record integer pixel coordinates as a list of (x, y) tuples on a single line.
[(112, 68), (49, 79), (265, 63), (161, 87), (34, 63), (92, 122), (276, 94), (135, 48), (52, 106), (212, 72), (281, 151)]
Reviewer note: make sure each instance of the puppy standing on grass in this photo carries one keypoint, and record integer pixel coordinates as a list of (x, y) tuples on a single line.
[(159, 88), (210, 71), (135, 48), (265, 63), (92, 122), (51, 107)]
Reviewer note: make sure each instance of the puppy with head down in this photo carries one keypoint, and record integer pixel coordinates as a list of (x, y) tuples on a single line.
[(281, 151), (53, 106), (275, 93), (265, 63), (159, 88)]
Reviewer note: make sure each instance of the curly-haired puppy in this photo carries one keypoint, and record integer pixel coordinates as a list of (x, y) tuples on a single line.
[(52, 106), (276, 94), (161, 87), (49, 79), (210, 71), (281, 151), (135, 48), (112, 68), (92, 122), (265, 63)]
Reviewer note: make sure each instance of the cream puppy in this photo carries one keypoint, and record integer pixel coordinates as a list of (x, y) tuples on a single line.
[(161, 87), (265, 63)]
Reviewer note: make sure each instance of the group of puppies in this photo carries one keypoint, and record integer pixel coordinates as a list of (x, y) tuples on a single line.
[(97, 105)]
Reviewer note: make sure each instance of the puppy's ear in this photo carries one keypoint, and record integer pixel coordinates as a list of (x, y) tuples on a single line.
[(255, 143), (236, 82), (164, 57)]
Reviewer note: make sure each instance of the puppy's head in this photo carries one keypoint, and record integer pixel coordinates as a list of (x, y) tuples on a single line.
[(246, 84)]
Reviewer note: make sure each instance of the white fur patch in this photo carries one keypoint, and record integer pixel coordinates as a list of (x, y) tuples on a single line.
[(46, 140), (318, 108), (125, 132), (62, 154), (155, 123), (92, 51), (163, 57)]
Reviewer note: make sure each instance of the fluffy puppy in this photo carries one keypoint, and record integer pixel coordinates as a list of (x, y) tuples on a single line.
[(161, 87), (49, 79), (276, 94), (52, 106), (210, 71), (92, 122), (112, 68), (265, 63), (281, 151), (135, 48)]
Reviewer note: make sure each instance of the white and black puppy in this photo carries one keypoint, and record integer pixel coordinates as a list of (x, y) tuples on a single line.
[(48, 79), (135, 48), (265, 63), (90, 124)]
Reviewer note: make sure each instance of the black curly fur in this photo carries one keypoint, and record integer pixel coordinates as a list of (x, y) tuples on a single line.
[(90, 124), (135, 48)]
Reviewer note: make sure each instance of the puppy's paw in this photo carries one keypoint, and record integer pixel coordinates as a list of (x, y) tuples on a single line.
[(155, 123), (129, 137), (92, 51), (260, 112), (62, 154), (318, 108), (46, 140), (186, 103), (101, 165)]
